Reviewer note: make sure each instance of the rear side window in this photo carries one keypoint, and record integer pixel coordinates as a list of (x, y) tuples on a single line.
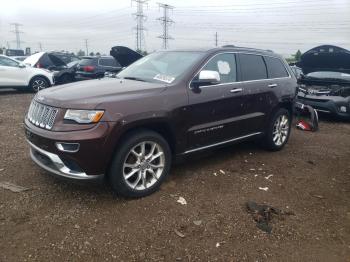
[(87, 61), (108, 62), (4, 61), (225, 64), (55, 60), (275, 67), (252, 67)]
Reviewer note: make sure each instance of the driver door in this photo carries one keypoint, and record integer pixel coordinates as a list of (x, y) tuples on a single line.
[(216, 110), (11, 74)]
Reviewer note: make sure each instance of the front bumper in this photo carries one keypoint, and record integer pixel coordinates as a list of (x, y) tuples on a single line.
[(88, 163), (54, 164), (327, 104)]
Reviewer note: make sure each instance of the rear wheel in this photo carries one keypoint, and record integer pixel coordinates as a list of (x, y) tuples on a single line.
[(278, 131), (140, 165), (38, 83)]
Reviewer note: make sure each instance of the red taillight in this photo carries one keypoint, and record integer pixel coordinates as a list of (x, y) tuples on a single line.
[(38, 65), (88, 68)]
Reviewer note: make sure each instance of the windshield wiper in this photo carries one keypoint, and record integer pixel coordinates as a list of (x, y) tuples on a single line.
[(134, 78)]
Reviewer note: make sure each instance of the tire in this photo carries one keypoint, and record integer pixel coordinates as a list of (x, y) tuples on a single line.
[(278, 131), (130, 173), (38, 83)]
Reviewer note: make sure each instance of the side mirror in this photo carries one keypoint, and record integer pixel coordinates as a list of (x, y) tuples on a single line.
[(206, 77), (21, 65)]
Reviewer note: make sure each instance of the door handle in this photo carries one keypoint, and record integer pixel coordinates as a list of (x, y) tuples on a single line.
[(272, 85), (236, 90)]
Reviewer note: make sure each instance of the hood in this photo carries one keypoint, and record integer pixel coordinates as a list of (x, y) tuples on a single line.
[(33, 59), (124, 55), (325, 58), (91, 94)]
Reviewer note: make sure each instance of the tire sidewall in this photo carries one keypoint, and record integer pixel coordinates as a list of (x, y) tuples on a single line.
[(115, 173)]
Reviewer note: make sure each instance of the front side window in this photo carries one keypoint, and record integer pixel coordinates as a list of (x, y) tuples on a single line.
[(275, 67), (4, 61), (252, 67), (163, 66), (225, 65)]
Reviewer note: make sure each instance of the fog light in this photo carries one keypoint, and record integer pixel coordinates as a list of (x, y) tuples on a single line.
[(68, 147), (343, 109)]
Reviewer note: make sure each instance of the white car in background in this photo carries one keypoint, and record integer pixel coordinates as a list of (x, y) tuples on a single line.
[(15, 74)]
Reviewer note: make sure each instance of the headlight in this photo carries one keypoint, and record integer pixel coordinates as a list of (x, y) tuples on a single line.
[(84, 116)]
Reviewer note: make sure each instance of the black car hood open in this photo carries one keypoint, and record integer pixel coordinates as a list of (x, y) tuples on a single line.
[(124, 55), (325, 58)]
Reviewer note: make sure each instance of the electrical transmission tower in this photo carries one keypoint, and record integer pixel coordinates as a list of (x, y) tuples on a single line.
[(18, 34), (140, 18), (166, 22)]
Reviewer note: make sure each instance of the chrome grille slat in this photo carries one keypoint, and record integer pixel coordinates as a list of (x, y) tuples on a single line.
[(42, 115)]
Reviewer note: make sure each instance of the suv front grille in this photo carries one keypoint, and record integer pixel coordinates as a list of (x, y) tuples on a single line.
[(41, 115)]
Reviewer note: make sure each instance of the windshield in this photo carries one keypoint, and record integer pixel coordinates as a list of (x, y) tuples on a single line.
[(329, 75), (164, 66)]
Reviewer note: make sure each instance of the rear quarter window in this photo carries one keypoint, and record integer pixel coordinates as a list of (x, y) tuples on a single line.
[(275, 67), (108, 62), (252, 67), (87, 61)]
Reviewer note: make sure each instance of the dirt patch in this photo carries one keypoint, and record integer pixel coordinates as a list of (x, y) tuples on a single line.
[(61, 221)]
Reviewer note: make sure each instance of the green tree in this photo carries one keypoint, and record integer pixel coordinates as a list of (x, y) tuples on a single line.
[(91, 54), (80, 53), (297, 56), (98, 53)]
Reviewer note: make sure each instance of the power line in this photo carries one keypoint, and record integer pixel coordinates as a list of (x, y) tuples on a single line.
[(140, 18), (166, 22), (17, 33)]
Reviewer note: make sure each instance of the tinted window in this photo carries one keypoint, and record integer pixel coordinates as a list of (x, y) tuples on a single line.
[(252, 67), (108, 62), (4, 61), (225, 64), (87, 61), (55, 60), (275, 67)]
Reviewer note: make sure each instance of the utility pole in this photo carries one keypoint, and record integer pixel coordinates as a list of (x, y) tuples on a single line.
[(166, 22), (140, 18), (86, 46), (17, 33), (40, 47), (216, 38), (8, 45)]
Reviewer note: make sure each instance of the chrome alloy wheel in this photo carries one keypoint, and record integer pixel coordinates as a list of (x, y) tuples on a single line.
[(280, 130), (143, 165), (38, 85)]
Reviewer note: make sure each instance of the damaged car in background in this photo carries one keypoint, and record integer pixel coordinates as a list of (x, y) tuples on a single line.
[(325, 83)]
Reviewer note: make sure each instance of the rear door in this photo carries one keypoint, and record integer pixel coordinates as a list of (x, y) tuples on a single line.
[(259, 95), (216, 111)]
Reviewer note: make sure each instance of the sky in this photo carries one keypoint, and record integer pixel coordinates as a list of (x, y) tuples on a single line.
[(283, 26)]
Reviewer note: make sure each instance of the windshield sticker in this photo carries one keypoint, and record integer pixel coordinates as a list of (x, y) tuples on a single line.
[(224, 67), (164, 78)]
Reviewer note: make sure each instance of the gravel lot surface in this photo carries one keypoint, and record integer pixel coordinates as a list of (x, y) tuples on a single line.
[(61, 221)]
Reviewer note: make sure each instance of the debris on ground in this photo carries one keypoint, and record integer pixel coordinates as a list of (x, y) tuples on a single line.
[(318, 196), (215, 174), (222, 171), (217, 244), (12, 187), (182, 201), (2, 169), (263, 188), (263, 214), (268, 177), (177, 232), (197, 222)]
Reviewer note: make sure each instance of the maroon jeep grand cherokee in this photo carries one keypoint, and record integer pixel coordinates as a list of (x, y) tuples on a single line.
[(169, 103)]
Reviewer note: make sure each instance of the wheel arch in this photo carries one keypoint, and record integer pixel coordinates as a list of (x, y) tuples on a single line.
[(39, 75)]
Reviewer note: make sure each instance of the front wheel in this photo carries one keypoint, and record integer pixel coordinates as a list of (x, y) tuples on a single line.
[(38, 83), (278, 131), (140, 165)]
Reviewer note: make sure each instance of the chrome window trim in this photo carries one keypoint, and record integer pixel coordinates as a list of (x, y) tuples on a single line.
[(239, 82)]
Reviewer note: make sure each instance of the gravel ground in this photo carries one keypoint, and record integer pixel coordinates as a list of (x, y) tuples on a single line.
[(61, 221)]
